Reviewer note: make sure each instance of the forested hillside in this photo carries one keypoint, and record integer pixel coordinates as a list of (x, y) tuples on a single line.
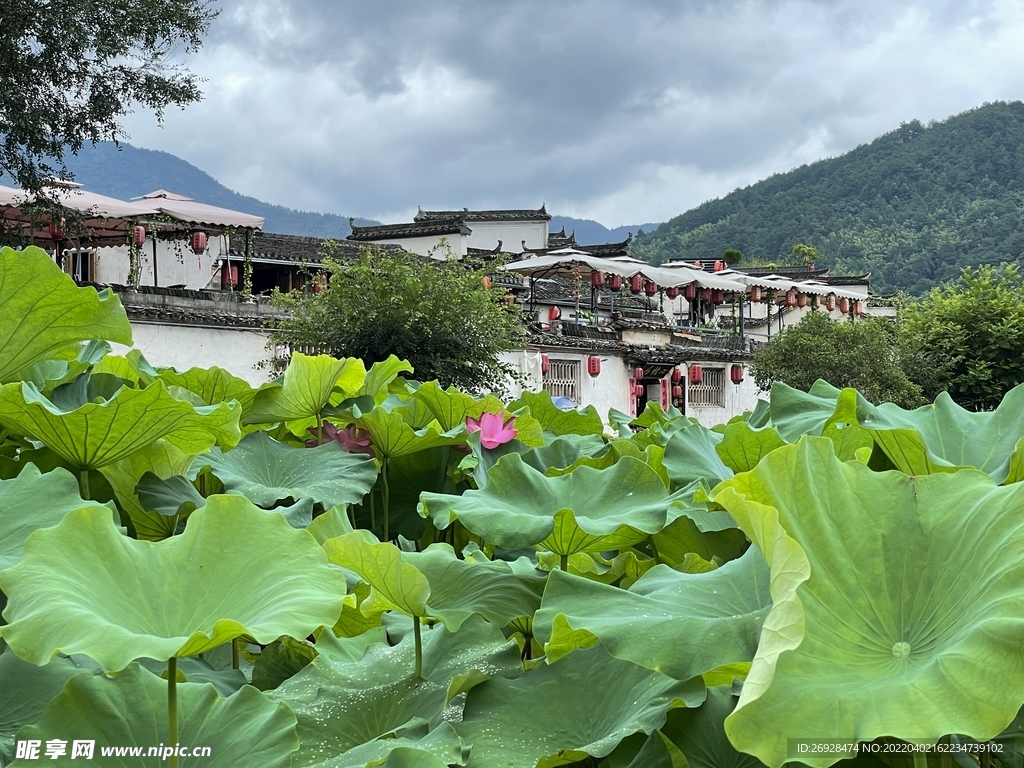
[(913, 206)]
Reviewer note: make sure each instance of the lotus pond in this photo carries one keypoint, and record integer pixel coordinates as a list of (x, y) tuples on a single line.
[(348, 568)]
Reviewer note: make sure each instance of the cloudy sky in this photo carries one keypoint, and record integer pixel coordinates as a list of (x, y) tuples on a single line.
[(623, 111)]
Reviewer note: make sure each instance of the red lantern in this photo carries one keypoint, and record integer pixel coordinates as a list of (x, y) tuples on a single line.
[(545, 364), (636, 284), (554, 313), (677, 392), (736, 374), (651, 288), (677, 375), (594, 365), (139, 235), (639, 390), (57, 232), (672, 293), (830, 302), (638, 373), (858, 307), (844, 305), (719, 266), (615, 283), (705, 295), (790, 298), (509, 298), (597, 279), (696, 374), (229, 278), (698, 265), (801, 300), (198, 242), (487, 283), (755, 293), (718, 296), (690, 292)]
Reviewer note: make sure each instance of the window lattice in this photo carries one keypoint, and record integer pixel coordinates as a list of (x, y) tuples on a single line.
[(710, 393), (563, 379)]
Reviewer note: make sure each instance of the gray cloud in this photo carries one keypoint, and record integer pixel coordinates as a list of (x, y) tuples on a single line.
[(620, 110)]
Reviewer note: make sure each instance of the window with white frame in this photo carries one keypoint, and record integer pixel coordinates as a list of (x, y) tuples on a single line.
[(563, 379), (710, 393)]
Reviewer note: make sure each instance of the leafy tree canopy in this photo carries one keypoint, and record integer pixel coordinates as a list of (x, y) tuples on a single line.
[(860, 354), (68, 72), (434, 313), (967, 337)]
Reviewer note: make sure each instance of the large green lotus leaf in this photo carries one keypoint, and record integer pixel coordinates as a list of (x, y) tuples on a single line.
[(700, 733), (587, 509), (556, 714), (391, 435), (345, 700), (31, 501), (552, 457), (173, 497), (396, 585), (691, 454), (44, 312), (655, 414), (892, 596), (462, 588), (25, 690), (940, 437), (795, 412), (305, 389), (194, 669), (684, 537), (586, 421), (408, 477), (266, 471), (641, 751), (165, 461), (99, 434), (680, 624), (213, 385), (381, 376), (412, 745), (130, 709), (280, 660), (742, 447), (235, 570), (451, 407)]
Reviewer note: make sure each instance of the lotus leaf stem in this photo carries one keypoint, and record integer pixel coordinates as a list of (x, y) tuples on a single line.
[(172, 708), (418, 670), (920, 759), (319, 429), (386, 499), (563, 561), (83, 484), (234, 653)]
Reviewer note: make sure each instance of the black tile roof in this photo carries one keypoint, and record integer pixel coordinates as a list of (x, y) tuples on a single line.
[(520, 214), (602, 250), (420, 228)]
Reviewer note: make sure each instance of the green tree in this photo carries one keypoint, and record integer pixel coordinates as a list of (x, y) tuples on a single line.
[(437, 314), (861, 354), (70, 71), (732, 256), (967, 337), (807, 254)]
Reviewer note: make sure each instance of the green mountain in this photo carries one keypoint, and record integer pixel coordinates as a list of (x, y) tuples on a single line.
[(126, 172), (912, 207)]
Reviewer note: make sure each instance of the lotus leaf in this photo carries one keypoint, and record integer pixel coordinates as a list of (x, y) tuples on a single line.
[(586, 421), (700, 733), (683, 537), (163, 460), (381, 376), (213, 385), (391, 435), (234, 571), (589, 509), (680, 624), (795, 412), (280, 660), (173, 497), (333, 522), (942, 436), (412, 745), (742, 447), (305, 389), (98, 434), (892, 596), (396, 585), (691, 454), (346, 700), (195, 670), (129, 709), (25, 690), (568, 717), (31, 501), (45, 312), (266, 471)]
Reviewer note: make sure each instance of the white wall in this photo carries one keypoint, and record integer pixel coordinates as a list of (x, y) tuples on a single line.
[(737, 397), (486, 234), (424, 245), (608, 390), (176, 263), (236, 350)]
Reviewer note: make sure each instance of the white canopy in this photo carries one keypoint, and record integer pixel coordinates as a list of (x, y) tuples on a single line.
[(192, 212), (79, 200)]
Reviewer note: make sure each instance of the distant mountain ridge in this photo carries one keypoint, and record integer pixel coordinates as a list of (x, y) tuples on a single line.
[(913, 207), (130, 171)]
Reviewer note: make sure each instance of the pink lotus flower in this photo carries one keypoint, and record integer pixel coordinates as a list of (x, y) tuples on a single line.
[(493, 428), (351, 438)]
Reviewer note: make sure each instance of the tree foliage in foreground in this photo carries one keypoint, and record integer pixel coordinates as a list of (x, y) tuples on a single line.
[(69, 71), (434, 313), (967, 337), (861, 354)]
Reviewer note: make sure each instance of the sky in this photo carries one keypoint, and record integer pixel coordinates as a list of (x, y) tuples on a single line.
[(621, 111)]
